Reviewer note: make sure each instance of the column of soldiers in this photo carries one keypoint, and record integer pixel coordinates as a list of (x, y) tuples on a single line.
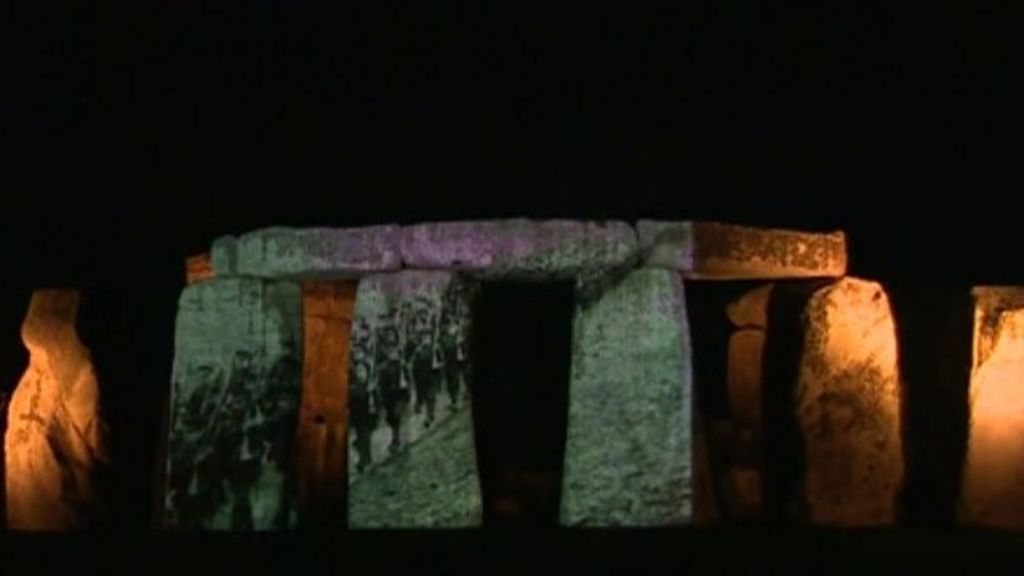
[(400, 360)]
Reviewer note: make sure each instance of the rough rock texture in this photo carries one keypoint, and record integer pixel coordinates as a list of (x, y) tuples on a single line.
[(708, 250), (198, 268), (519, 248), (321, 440), (234, 406), (55, 443), (311, 253), (992, 493), (628, 450), (848, 406), (412, 462)]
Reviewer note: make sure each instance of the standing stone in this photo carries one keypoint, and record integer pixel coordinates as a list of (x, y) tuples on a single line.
[(743, 377), (628, 449), (412, 461), (993, 480), (323, 418), (520, 248), (234, 406), (56, 439), (713, 251), (848, 406)]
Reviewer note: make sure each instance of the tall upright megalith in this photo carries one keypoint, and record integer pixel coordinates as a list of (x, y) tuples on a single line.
[(992, 491), (322, 436), (56, 437), (412, 461), (628, 448), (234, 406), (847, 406)]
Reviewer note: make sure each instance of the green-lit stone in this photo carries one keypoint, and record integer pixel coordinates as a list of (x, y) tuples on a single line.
[(628, 451)]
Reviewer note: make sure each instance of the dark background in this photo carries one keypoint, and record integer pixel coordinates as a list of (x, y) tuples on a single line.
[(130, 138)]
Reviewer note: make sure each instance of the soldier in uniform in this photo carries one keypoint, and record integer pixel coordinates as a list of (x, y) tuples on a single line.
[(419, 355), (454, 325), (394, 390), (363, 407)]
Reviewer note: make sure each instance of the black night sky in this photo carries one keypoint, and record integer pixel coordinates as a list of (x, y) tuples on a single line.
[(132, 138)]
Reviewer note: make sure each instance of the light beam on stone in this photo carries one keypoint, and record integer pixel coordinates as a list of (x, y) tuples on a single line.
[(848, 406), (55, 439), (993, 482), (323, 415)]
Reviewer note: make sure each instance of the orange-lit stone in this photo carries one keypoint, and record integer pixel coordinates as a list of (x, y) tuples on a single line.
[(55, 436), (323, 417), (743, 377), (751, 309), (848, 406), (993, 480), (198, 268)]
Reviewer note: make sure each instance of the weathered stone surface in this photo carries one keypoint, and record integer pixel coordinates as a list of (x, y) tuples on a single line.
[(743, 376), (412, 462), (55, 443), (313, 253), (234, 406), (224, 256), (198, 268), (520, 248), (848, 406), (992, 493), (321, 440), (712, 251), (628, 450), (751, 309)]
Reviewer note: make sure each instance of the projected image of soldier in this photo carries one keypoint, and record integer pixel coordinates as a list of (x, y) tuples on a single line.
[(394, 389), (452, 355), (419, 357), (363, 400)]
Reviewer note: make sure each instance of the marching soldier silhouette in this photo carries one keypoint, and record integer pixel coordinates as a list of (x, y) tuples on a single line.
[(420, 356), (453, 327), (363, 401), (394, 389)]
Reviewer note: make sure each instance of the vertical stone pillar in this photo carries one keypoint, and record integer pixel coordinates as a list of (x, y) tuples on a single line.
[(744, 384), (234, 406), (56, 438), (323, 417), (847, 406), (412, 461), (992, 493), (628, 451)]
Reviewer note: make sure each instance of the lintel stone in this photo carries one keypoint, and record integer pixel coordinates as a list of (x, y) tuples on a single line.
[(310, 253), (520, 248), (713, 251)]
